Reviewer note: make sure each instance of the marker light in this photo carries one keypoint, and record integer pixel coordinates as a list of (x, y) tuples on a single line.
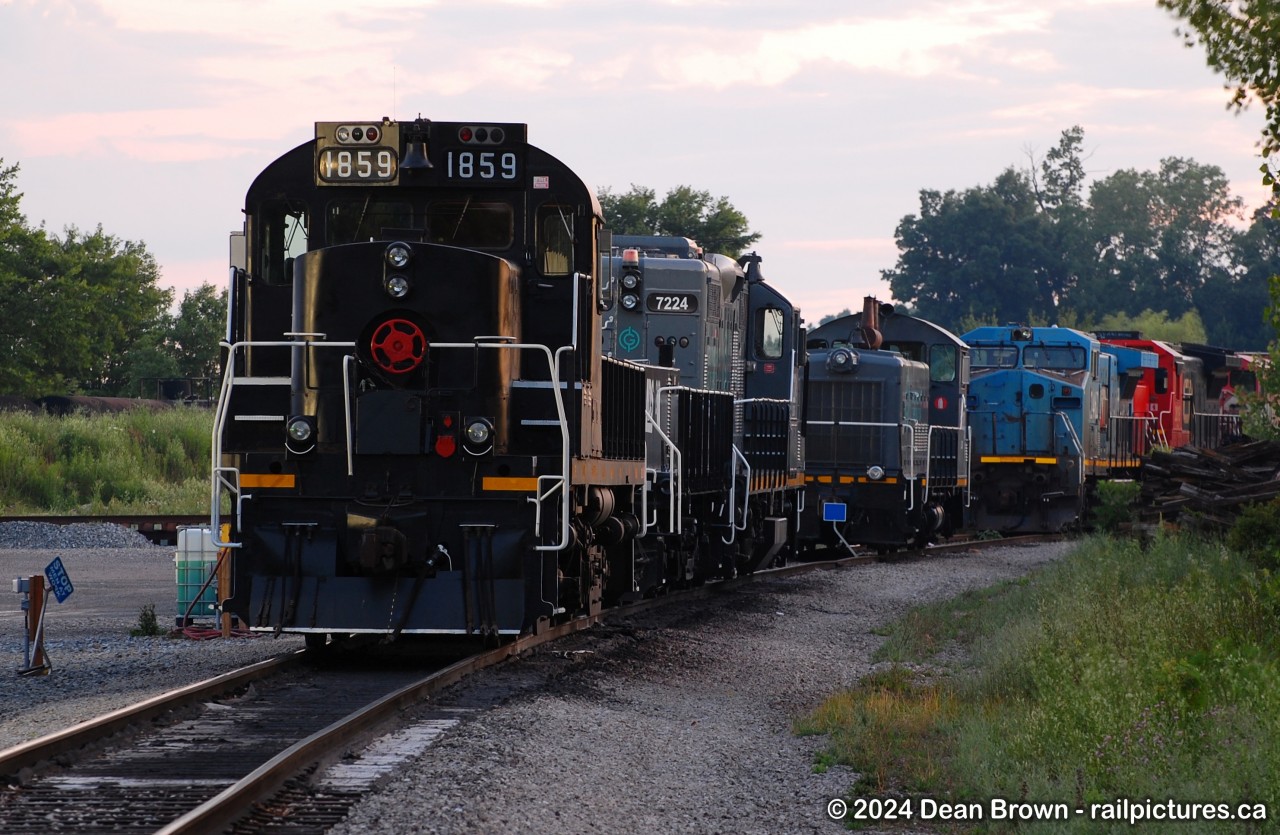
[(875, 472), (630, 258)]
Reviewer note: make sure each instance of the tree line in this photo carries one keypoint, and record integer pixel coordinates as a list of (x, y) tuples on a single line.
[(82, 313), (1036, 246), (1161, 251)]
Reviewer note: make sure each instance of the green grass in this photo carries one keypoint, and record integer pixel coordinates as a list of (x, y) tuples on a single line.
[(133, 462), (1121, 671)]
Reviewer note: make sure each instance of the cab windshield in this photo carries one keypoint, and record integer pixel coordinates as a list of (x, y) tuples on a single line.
[(1054, 357), (994, 356)]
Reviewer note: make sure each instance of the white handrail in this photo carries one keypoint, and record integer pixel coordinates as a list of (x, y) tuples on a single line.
[(229, 382)]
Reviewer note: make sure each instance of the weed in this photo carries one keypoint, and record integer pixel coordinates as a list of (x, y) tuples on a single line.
[(1256, 534), (148, 626), (130, 462), (1115, 501)]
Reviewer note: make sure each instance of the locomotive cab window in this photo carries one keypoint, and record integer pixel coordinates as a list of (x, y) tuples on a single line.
[(1056, 357), (351, 221), (555, 240), (768, 333), (943, 360), (282, 236), (999, 356), (910, 350), (470, 223)]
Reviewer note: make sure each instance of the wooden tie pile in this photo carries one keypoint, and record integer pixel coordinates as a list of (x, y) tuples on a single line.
[(1205, 489)]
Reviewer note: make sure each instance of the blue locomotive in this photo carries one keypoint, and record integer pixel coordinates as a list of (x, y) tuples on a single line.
[(1051, 412), (887, 461)]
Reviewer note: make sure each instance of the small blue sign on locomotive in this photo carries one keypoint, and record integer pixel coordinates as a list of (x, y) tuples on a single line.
[(834, 512), (59, 580)]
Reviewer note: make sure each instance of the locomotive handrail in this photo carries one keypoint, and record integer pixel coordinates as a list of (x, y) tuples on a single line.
[(348, 362), (1126, 438), (1210, 430), (215, 507), (675, 521), (907, 430), (733, 489), (558, 483), (229, 382), (968, 464), (930, 457), (229, 378), (1075, 439)]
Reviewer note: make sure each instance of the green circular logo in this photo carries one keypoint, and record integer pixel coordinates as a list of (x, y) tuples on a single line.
[(629, 339)]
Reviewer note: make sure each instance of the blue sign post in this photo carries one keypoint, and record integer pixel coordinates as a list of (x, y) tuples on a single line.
[(59, 581)]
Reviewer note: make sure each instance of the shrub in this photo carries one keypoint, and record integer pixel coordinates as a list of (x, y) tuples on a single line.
[(1256, 534), (1115, 502)]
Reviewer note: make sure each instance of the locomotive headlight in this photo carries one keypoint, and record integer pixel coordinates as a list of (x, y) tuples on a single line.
[(478, 436), (300, 429), (630, 301), (300, 434), (842, 361), (398, 256), (875, 472), (479, 431), (630, 280), (397, 286)]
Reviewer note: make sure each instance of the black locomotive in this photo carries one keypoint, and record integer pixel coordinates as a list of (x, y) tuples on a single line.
[(420, 429)]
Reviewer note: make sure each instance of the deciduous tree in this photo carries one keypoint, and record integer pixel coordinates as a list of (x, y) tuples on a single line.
[(712, 222)]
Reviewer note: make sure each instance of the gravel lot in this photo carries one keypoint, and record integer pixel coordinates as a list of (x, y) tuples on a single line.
[(97, 666), (677, 721)]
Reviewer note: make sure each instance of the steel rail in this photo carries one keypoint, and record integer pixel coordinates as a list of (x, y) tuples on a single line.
[(32, 753), (235, 802)]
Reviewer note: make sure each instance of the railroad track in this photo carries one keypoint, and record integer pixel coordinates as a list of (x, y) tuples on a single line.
[(247, 758)]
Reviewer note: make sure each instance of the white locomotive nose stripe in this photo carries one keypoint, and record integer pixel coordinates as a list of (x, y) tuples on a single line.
[(259, 418)]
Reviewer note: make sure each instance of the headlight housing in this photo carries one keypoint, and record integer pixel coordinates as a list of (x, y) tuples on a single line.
[(842, 361), (399, 255), (396, 286), (875, 472), (479, 435), (300, 434)]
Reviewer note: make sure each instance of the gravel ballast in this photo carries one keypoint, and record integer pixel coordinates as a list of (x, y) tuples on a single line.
[(683, 726), (674, 721)]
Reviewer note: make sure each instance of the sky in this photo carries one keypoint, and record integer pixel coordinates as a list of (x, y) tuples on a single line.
[(820, 120)]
